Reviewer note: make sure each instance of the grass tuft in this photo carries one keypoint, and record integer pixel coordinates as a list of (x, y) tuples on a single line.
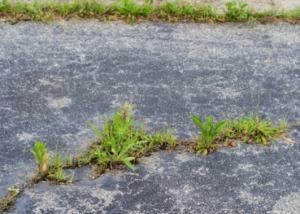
[(209, 133), (248, 130), (41, 156), (254, 129), (237, 11), (121, 141), (50, 170)]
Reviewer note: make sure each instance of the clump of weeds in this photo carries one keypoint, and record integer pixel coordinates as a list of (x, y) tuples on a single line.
[(209, 133), (49, 169), (162, 139), (131, 9), (121, 141), (254, 129), (55, 172), (237, 10)]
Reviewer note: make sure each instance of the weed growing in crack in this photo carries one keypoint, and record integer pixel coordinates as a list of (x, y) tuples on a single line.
[(176, 10), (120, 138), (49, 169), (121, 141), (55, 172), (68, 162), (172, 8), (209, 133), (254, 129), (163, 139), (9, 200), (249, 130), (41, 156)]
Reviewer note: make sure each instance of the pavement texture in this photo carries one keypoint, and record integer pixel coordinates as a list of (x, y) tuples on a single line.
[(56, 77)]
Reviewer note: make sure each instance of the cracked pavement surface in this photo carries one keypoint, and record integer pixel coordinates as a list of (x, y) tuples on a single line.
[(56, 77)]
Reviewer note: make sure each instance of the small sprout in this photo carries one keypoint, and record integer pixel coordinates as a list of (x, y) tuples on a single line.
[(164, 139), (71, 178), (55, 172), (69, 162), (41, 156), (13, 191), (10, 198)]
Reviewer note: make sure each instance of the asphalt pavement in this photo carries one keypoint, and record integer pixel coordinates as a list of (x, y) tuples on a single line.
[(56, 77)]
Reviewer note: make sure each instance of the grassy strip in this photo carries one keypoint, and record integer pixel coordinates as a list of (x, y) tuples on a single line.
[(122, 142), (131, 11)]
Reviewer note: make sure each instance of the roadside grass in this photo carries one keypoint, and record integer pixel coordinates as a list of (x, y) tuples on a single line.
[(237, 11), (129, 9), (132, 11)]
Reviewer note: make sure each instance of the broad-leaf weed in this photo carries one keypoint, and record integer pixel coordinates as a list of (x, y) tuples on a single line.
[(209, 132)]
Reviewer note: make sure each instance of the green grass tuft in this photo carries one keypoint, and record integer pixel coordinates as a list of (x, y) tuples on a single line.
[(209, 133), (121, 141), (254, 129), (49, 169), (249, 130), (237, 11), (41, 156)]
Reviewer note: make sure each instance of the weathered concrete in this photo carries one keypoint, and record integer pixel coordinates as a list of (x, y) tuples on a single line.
[(56, 77)]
